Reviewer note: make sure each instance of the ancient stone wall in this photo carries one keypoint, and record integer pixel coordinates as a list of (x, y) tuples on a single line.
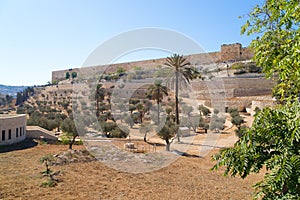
[(229, 52), (234, 89), (246, 54)]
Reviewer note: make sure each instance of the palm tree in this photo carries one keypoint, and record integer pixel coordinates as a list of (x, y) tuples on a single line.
[(156, 92), (183, 72)]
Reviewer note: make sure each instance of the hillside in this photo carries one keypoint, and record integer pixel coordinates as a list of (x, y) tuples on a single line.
[(11, 90)]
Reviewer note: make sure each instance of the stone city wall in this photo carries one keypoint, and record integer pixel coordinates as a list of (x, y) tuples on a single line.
[(228, 53)]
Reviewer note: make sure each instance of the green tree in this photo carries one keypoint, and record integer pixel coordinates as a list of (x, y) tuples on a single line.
[(68, 126), (107, 127), (167, 133), (74, 75), (182, 73), (203, 110), (276, 49), (273, 140), (141, 109), (237, 121), (119, 132), (67, 75), (121, 70), (145, 129), (131, 108), (128, 120), (156, 92)]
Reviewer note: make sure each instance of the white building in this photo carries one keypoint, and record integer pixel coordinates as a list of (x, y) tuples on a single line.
[(12, 129)]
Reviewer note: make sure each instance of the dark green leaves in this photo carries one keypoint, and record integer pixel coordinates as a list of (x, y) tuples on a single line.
[(273, 142)]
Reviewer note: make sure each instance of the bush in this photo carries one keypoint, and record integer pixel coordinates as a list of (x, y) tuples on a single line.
[(216, 125), (216, 111), (237, 120), (205, 111), (233, 112), (119, 132), (65, 140), (49, 183)]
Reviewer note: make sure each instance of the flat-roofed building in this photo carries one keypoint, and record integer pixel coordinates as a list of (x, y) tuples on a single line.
[(12, 129)]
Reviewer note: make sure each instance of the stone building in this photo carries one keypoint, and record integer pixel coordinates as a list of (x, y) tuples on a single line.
[(12, 129)]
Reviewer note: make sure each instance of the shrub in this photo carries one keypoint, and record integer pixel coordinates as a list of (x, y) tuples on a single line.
[(205, 111), (49, 183), (216, 125), (237, 120), (119, 132), (216, 111), (233, 112), (217, 122)]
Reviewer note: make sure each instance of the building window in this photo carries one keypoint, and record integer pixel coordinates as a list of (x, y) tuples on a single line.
[(3, 135), (17, 132), (9, 134)]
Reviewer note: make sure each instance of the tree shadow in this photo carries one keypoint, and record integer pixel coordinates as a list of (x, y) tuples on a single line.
[(205, 145), (25, 144), (185, 154), (155, 144)]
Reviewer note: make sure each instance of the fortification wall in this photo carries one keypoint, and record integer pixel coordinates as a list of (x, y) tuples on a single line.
[(233, 90), (247, 54), (228, 52)]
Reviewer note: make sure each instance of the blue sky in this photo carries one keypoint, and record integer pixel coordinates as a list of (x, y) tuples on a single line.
[(39, 36)]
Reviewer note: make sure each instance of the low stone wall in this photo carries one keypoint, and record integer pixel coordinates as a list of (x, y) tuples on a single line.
[(40, 133)]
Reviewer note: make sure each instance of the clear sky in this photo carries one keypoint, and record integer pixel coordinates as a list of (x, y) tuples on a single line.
[(39, 36)]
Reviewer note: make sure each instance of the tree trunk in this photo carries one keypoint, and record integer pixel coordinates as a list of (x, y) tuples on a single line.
[(145, 137), (141, 117), (168, 145), (97, 108), (158, 121), (176, 102), (72, 142)]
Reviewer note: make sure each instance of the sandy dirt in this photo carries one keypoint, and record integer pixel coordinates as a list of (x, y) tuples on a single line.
[(186, 178)]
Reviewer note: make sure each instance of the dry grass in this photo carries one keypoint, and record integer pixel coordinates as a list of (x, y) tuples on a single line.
[(187, 178)]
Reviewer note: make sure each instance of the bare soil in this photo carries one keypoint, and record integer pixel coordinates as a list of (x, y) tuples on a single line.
[(186, 178)]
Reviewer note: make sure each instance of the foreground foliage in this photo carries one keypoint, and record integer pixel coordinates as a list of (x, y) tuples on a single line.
[(272, 142), (276, 49)]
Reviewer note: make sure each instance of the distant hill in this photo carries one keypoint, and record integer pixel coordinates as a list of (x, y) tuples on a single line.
[(11, 90)]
